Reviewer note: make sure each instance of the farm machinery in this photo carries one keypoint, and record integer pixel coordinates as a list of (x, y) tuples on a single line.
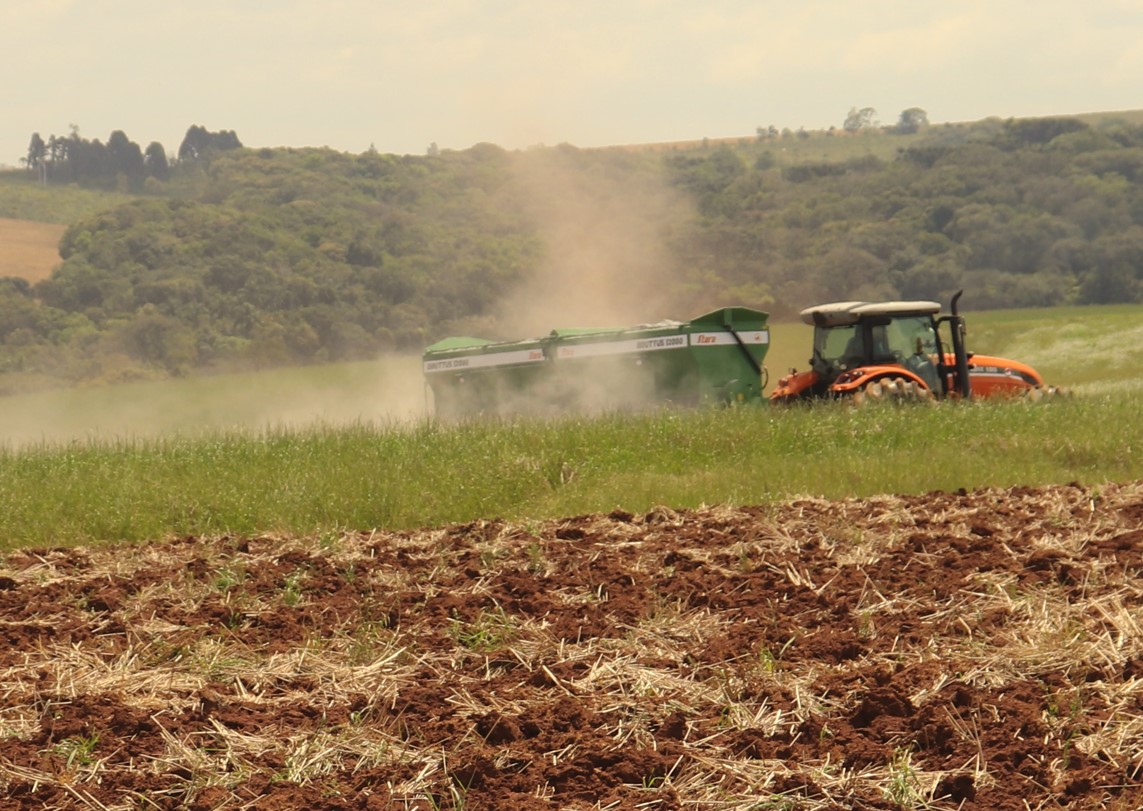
[(895, 350), (715, 358)]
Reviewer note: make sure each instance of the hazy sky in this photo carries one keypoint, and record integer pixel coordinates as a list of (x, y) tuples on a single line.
[(400, 75)]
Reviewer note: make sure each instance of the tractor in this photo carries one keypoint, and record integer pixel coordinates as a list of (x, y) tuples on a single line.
[(894, 350)]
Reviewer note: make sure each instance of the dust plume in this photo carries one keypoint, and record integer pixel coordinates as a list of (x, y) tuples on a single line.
[(604, 220), (385, 392)]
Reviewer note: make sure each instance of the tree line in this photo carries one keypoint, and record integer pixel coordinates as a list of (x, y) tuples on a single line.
[(119, 164), (256, 257)]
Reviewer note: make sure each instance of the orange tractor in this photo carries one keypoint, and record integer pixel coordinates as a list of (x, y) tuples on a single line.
[(894, 349)]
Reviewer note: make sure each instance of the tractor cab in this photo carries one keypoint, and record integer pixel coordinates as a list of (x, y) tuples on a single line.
[(895, 347), (853, 335)]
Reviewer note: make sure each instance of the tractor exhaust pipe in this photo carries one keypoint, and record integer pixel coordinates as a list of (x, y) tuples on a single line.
[(960, 353)]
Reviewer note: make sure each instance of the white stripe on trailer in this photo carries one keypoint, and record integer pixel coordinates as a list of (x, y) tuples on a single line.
[(629, 347), (639, 345), (517, 357), (750, 338), (596, 349)]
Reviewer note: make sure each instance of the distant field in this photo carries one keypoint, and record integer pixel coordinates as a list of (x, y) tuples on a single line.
[(808, 147), (22, 198), (837, 145), (29, 250)]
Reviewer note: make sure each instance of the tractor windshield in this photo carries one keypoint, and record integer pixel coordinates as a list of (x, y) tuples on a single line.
[(838, 348), (907, 340), (852, 345)]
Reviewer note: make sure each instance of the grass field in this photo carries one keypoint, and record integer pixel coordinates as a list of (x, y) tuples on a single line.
[(379, 392), (307, 480), (810, 147), (1090, 350), (813, 146)]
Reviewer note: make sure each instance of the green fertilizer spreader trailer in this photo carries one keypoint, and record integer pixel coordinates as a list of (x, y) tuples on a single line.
[(714, 359)]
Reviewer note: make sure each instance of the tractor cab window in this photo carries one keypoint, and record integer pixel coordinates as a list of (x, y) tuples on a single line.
[(884, 349), (912, 336), (838, 348), (913, 341)]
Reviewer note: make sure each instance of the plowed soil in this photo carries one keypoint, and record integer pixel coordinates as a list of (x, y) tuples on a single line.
[(950, 651)]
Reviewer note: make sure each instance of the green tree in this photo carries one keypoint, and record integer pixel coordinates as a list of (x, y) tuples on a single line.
[(161, 340), (155, 162), (37, 152), (912, 120), (199, 143), (857, 120), (1025, 131), (125, 159)]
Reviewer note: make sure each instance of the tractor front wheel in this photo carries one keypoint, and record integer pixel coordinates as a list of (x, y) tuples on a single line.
[(892, 390)]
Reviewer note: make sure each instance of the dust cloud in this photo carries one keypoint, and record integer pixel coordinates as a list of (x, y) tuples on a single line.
[(386, 392), (604, 217), (603, 223)]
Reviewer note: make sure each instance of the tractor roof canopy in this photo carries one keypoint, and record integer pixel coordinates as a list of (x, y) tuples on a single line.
[(844, 313)]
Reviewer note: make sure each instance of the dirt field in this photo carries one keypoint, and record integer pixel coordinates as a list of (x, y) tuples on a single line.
[(952, 651), (29, 250)]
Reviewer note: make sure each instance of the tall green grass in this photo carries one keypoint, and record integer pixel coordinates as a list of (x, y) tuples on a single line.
[(387, 476)]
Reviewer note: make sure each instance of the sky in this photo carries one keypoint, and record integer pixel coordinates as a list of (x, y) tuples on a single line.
[(398, 76)]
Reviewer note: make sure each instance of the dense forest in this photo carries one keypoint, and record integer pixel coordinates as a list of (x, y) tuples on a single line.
[(237, 258)]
